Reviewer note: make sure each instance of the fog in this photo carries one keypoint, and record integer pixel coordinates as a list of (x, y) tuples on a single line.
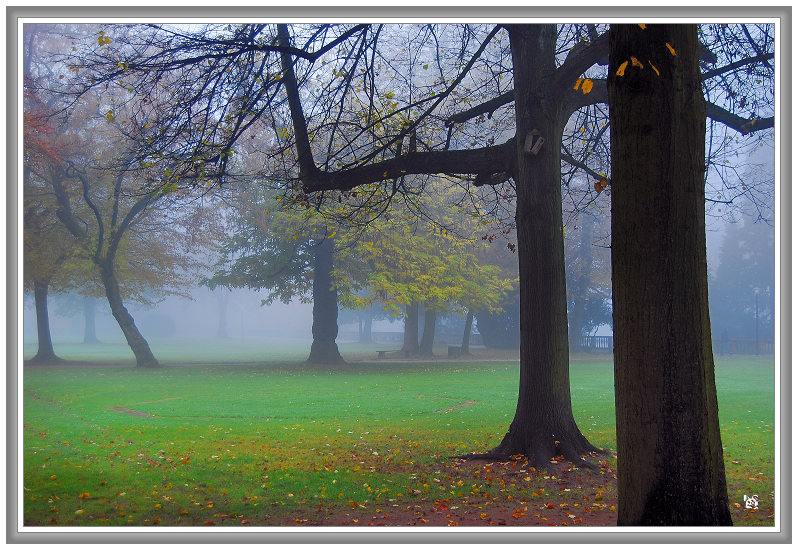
[(199, 317), (741, 288)]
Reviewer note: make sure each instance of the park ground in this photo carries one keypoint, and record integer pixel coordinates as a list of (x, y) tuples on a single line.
[(220, 437)]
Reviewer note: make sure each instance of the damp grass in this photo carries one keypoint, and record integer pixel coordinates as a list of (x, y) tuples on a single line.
[(277, 443)]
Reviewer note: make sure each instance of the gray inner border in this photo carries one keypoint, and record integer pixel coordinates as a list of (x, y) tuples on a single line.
[(440, 13)]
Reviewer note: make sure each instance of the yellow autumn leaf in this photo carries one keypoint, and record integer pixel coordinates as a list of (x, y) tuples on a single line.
[(670, 49), (587, 86), (578, 82), (600, 185), (110, 116), (642, 26), (653, 67), (636, 62), (622, 68)]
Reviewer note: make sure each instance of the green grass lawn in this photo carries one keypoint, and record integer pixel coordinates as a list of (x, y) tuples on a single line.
[(278, 443)]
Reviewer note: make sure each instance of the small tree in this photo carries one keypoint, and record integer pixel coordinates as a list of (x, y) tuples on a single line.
[(289, 252)]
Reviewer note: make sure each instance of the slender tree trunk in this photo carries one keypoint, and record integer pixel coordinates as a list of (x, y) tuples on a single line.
[(544, 424), (45, 353), (411, 328), (428, 336), (89, 326), (325, 306), (365, 336), (469, 323), (670, 457), (137, 343)]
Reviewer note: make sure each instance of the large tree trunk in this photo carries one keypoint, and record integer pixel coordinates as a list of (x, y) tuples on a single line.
[(137, 343), (670, 458), (45, 353), (411, 329), (469, 322), (89, 326), (543, 425), (428, 335), (325, 306)]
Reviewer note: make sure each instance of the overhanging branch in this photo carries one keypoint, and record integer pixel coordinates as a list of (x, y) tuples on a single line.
[(487, 160), (738, 123)]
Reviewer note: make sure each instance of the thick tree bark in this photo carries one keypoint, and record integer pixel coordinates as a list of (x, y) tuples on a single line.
[(325, 306), (89, 326), (411, 329), (139, 346), (469, 322), (544, 424), (428, 334), (670, 458), (45, 353)]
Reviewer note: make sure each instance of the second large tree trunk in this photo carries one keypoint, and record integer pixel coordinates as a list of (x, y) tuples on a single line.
[(544, 424), (325, 306), (45, 353), (670, 458), (137, 343)]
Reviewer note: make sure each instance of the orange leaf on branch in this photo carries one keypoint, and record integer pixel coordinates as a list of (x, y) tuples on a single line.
[(600, 185)]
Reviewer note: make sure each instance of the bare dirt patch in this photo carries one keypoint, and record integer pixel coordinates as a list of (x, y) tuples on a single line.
[(467, 403)]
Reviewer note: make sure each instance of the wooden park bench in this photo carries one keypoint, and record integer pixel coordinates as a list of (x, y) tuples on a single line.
[(381, 352)]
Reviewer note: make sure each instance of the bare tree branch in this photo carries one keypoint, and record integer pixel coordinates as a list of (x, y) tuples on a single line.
[(488, 160), (738, 123)]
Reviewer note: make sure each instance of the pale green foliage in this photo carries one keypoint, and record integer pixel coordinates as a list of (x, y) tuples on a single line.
[(433, 260)]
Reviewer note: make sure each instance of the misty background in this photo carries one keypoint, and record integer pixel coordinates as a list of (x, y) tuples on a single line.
[(741, 269)]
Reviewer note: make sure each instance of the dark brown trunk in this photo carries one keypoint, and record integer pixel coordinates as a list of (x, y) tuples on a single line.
[(411, 328), (89, 326), (325, 306), (543, 425), (139, 346), (670, 458), (428, 335), (469, 322), (45, 353)]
